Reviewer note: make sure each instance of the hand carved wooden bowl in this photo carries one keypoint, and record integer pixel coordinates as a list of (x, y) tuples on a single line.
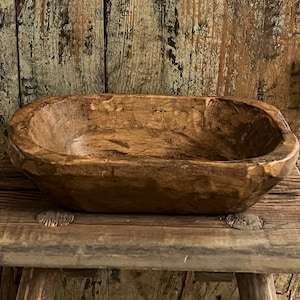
[(152, 154)]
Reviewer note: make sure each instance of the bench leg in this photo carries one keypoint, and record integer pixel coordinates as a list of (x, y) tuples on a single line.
[(256, 286), (38, 284)]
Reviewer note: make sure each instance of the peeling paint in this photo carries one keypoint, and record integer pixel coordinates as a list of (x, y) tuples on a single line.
[(89, 39)]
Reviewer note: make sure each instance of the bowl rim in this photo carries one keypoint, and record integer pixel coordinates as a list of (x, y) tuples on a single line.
[(286, 151)]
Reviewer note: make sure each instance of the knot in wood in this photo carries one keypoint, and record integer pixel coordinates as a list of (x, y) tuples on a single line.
[(52, 218), (244, 221)]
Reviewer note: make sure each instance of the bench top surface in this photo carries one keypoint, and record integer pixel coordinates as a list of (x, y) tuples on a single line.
[(203, 243)]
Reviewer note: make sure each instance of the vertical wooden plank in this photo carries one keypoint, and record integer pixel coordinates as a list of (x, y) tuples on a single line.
[(195, 288), (83, 284), (193, 33), (279, 76), (141, 285), (134, 58), (9, 81), (279, 82), (38, 284), (242, 48), (256, 286), (10, 279), (61, 46), (213, 46)]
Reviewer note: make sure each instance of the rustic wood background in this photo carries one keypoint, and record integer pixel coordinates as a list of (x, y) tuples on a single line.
[(245, 48)]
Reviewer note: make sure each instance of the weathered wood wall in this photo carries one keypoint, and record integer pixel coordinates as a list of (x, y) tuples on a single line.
[(61, 47), (9, 77), (218, 47)]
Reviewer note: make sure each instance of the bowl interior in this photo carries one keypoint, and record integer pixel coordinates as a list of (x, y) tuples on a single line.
[(132, 126)]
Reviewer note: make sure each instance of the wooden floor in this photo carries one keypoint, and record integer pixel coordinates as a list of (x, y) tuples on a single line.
[(141, 283)]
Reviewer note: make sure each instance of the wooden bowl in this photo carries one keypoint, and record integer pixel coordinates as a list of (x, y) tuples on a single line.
[(152, 154)]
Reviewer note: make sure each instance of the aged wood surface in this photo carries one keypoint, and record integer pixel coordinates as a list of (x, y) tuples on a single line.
[(61, 47), (124, 284), (287, 286), (134, 55), (9, 81), (38, 284), (85, 285), (125, 153), (256, 286), (10, 279), (194, 288), (132, 241), (195, 47), (145, 284), (117, 284), (248, 48)]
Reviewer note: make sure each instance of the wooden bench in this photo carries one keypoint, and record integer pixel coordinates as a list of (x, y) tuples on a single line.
[(42, 238)]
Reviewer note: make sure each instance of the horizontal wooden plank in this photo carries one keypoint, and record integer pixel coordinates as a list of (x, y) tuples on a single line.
[(203, 243), (142, 247)]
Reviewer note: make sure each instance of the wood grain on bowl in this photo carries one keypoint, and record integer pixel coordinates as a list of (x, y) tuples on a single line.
[(145, 153)]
